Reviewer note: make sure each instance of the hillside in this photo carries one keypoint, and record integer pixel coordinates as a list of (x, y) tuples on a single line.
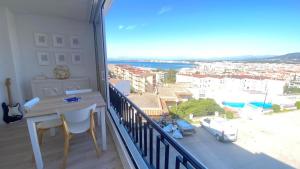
[(287, 58)]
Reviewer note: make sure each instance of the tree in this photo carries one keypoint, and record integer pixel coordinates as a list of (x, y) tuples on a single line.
[(285, 88), (201, 107), (291, 90), (110, 74), (170, 76), (297, 104), (229, 114), (132, 90), (276, 108)]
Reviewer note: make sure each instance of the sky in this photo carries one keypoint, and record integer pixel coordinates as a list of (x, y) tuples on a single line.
[(195, 29)]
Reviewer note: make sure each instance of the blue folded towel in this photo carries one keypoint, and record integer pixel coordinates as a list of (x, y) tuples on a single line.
[(72, 99)]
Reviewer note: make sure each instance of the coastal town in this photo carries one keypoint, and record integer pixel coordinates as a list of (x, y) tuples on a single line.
[(237, 86), (259, 100)]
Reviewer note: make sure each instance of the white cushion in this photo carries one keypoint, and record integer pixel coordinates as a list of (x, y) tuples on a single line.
[(49, 124)]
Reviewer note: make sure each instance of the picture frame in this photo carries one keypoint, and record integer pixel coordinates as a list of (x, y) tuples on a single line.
[(75, 42), (76, 58), (41, 39), (60, 58), (58, 40), (43, 58)]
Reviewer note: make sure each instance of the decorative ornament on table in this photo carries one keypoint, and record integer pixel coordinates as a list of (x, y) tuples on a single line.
[(61, 72)]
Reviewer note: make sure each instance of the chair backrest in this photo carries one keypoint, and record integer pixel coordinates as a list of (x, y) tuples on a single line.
[(29, 104), (69, 92), (79, 115)]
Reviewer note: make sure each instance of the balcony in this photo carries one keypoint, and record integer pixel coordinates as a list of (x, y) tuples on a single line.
[(133, 139), (148, 144)]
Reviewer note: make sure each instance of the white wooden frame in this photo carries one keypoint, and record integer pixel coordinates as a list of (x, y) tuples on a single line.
[(37, 38), (57, 58), (31, 124), (41, 60), (74, 58), (56, 41), (73, 43)]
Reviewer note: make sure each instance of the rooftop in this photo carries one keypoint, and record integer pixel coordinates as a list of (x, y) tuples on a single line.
[(173, 91), (235, 76), (147, 100)]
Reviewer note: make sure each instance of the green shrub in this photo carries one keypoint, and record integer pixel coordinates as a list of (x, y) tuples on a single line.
[(229, 114), (201, 107), (132, 90), (297, 104), (170, 76), (276, 108)]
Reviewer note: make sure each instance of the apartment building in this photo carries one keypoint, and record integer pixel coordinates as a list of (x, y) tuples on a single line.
[(295, 81), (140, 80), (203, 85)]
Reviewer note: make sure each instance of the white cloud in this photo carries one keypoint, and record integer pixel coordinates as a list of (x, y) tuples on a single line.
[(164, 9), (130, 27), (120, 27)]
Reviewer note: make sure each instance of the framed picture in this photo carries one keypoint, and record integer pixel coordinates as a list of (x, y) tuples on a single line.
[(41, 39), (60, 58), (43, 58), (75, 42), (76, 58), (58, 41)]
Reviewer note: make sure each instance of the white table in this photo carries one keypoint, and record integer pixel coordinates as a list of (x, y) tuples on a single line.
[(47, 110)]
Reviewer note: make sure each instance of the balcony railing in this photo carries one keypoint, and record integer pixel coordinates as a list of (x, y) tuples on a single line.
[(157, 148)]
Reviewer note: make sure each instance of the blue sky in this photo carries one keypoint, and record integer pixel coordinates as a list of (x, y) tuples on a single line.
[(178, 29)]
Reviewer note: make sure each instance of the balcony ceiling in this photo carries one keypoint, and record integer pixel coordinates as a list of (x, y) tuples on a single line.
[(72, 9)]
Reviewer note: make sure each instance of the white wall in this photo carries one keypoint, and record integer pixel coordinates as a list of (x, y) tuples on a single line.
[(8, 43), (18, 58), (27, 25)]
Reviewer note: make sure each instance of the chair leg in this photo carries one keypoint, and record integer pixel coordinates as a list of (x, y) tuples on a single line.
[(92, 132), (66, 151), (40, 133)]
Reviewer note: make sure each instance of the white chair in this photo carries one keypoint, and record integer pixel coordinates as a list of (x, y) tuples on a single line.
[(70, 92), (76, 122), (42, 127)]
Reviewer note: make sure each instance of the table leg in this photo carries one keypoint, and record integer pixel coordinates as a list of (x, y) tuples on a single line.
[(102, 126), (35, 144)]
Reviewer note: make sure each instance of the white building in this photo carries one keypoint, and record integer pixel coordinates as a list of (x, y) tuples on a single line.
[(203, 86)]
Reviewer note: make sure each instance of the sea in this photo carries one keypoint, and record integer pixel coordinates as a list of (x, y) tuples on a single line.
[(154, 65)]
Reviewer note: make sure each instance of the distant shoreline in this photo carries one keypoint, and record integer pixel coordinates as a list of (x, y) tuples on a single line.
[(290, 58), (170, 65)]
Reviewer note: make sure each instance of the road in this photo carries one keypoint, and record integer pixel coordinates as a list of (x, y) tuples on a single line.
[(267, 142)]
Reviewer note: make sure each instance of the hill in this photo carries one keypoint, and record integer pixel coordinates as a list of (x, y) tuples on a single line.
[(287, 58)]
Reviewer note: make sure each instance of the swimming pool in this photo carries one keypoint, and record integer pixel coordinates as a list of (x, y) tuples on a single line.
[(253, 104), (261, 105), (234, 104)]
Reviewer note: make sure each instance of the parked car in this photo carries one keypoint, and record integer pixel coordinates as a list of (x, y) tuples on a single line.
[(221, 128), (185, 127)]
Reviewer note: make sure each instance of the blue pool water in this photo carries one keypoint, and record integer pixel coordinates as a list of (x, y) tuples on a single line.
[(254, 104), (234, 104), (262, 105)]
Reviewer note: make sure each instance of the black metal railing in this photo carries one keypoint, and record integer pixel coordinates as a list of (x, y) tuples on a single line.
[(164, 151)]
